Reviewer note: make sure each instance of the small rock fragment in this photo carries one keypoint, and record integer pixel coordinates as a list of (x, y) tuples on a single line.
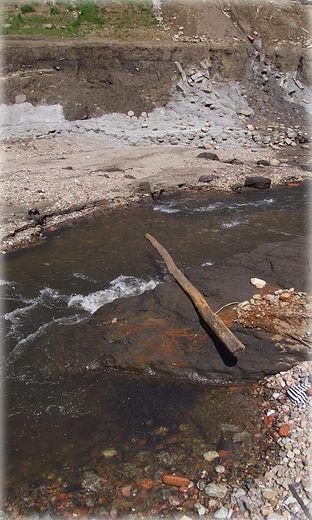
[(257, 282)]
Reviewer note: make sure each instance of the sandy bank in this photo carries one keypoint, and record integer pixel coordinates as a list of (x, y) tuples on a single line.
[(74, 177)]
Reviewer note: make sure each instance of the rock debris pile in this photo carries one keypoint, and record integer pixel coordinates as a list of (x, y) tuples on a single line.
[(279, 312), (203, 113)]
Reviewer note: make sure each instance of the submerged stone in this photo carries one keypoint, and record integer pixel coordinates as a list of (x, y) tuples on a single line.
[(216, 490)]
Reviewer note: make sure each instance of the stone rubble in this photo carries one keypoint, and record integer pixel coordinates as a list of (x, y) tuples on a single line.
[(268, 495), (281, 311), (203, 113)]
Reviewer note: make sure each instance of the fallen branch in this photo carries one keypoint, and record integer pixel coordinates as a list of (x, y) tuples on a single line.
[(212, 320), (226, 305)]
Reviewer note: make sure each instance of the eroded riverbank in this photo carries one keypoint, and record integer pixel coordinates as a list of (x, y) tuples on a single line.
[(67, 179)]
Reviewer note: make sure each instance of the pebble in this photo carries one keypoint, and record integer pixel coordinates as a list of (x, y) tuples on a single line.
[(215, 490), (175, 480), (109, 452), (201, 484), (283, 430), (223, 512), (257, 282), (211, 455)]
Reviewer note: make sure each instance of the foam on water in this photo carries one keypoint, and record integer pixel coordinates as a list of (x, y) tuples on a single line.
[(23, 342), (209, 208), (5, 282), (121, 287), (234, 206), (47, 298), (166, 209), (253, 203), (233, 223)]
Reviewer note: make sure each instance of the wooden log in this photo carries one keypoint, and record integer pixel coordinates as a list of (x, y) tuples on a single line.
[(213, 321)]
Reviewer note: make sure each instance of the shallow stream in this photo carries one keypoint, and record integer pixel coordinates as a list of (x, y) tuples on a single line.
[(57, 428)]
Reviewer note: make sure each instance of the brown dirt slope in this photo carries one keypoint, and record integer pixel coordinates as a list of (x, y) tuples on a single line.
[(134, 69)]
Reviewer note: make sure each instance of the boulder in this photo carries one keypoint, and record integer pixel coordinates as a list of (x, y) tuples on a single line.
[(208, 155), (263, 162), (233, 161), (206, 178), (257, 182)]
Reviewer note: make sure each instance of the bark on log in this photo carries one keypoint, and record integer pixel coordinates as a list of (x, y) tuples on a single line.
[(213, 321)]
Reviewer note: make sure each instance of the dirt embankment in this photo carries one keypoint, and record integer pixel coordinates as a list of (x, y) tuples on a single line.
[(97, 75)]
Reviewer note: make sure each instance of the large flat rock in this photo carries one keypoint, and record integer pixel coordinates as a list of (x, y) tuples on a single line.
[(160, 331)]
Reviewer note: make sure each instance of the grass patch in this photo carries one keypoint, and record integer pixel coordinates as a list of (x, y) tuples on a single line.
[(28, 8), (65, 18)]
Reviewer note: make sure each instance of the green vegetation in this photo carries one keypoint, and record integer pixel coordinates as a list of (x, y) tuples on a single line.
[(88, 14), (27, 8), (108, 18), (54, 10)]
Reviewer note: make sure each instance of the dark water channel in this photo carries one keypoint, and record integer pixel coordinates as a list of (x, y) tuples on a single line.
[(57, 428)]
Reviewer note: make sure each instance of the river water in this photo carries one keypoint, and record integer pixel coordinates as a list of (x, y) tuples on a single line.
[(56, 428)]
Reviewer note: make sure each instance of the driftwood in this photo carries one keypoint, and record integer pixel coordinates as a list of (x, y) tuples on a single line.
[(212, 320)]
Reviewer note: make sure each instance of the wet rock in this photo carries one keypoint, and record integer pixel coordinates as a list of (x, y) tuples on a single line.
[(109, 452), (92, 482), (238, 188), (201, 484), (175, 480), (174, 501), (241, 436), (233, 161), (216, 490), (208, 155), (263, 162), (206, 178), (124, 342), (211, 455), (258, 182)]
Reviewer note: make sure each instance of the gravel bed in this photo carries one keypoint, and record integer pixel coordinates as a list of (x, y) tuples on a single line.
[(274, 485)]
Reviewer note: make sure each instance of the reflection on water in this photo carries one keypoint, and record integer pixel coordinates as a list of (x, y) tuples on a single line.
[(56, 426)]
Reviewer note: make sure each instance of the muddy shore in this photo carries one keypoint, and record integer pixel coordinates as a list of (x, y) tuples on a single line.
[(74, 178)]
